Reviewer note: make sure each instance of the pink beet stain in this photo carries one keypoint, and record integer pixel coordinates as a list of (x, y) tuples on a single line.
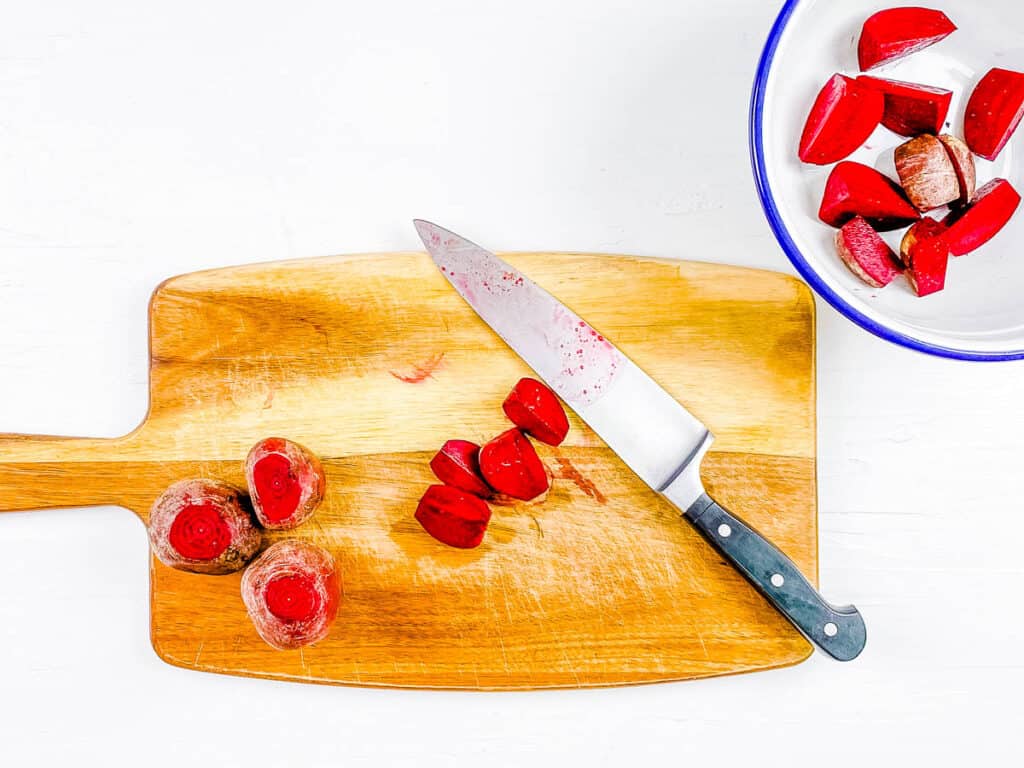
[(422, 371), (568, 471)]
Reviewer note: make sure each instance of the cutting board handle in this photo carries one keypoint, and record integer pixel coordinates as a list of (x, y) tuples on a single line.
[(38, 472)]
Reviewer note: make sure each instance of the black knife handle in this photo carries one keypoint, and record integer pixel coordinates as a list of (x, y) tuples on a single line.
[(838, 631)]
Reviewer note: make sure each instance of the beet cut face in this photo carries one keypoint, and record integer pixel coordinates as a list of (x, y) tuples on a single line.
[(292, 593), (535, 409), (286, 482), (510, 465), (458, 464), (994, 111), (898, 32), (203, 526), (971, 227), (866, 254), (854, 190), (453, 517), (844, 115), (911, 109), (925, 252)]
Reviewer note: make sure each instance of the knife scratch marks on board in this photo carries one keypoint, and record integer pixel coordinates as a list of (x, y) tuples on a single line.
[(700, 636), (568, 471), (269, 402), (422, 371), (199, 651)]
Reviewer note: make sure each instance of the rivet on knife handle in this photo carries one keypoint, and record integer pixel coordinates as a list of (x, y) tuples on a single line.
[(838, 631)]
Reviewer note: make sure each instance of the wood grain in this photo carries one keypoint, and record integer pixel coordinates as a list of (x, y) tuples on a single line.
[(373, 361)]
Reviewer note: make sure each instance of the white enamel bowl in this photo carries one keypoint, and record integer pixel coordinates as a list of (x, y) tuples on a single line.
[(980, 314)]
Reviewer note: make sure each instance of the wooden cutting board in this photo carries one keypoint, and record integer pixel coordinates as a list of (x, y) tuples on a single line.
[(373, 361)]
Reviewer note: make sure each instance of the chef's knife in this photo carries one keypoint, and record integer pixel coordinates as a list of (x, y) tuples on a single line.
[(654, 435)]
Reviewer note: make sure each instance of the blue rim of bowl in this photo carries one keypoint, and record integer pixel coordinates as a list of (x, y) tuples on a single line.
[(786, 240)]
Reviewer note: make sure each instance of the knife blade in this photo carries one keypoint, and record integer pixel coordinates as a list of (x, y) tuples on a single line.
[(652, 433)]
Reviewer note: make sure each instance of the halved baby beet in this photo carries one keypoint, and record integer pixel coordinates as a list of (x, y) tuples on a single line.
[(853, 190), (925, 252), (963, 163), (866, 254), (286, 482), (897, 32), (971, 227), (911, 109), (453, 517), (994, 111), (843, 117), (292, 592), (510, 465), (203, 526), (458, 464), (535, 409), (927, 173)]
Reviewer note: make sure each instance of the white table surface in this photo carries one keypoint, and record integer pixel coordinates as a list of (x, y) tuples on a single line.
[(141, 140)]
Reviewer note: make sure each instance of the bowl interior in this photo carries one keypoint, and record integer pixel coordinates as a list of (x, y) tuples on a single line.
[(981, 312)]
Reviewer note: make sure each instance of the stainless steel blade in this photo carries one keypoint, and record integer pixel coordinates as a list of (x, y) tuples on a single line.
[(648, 429)]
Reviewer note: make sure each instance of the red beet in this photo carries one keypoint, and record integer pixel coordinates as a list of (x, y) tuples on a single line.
[(292, 592), (841, 120), (910, 109), (973, 226), (866, 254), (286, 482), (994, 111), (857, 190), (535, 409), (458, 464), (898, 32), (511, 466), (202, 526), (453, 517), (963, 163), (925, 253)]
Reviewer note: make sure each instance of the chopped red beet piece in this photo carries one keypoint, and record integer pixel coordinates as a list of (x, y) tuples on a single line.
[(535, 409), (925, 253), (994, 111), (892, 34), (511, 466), (453, 517), (841, 120), (202, 526), (971, 227), (911, 109), (458, 464), (857, 190), (286, 482), (866, 253), (292, 592)]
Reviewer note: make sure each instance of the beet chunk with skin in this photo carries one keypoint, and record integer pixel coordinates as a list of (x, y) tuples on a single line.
[(203, 526), (286, 482), (292, 593)]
